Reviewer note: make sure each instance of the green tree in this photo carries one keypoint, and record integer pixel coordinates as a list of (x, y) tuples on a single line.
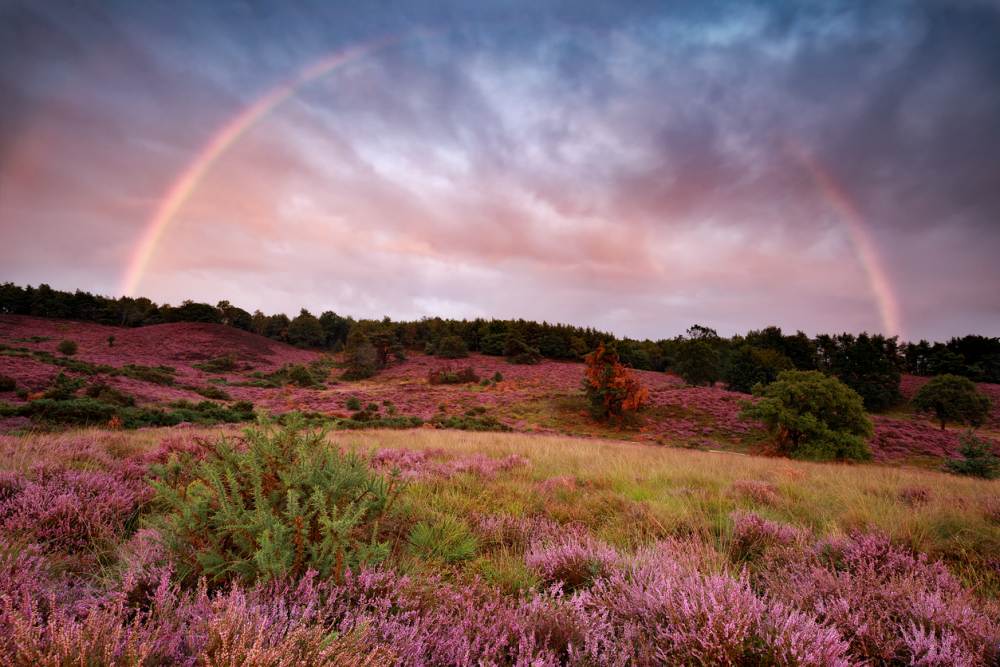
[(697, 362), (977, 459), (869, 364), (306, 331), (749, 366), (451, 347), (952, 398), (360, 356), (812, 415)]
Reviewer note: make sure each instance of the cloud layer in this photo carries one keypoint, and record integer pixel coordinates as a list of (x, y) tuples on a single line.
[(633, 170)]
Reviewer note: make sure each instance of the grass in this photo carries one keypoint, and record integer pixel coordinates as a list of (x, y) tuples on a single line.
[(628, 494)]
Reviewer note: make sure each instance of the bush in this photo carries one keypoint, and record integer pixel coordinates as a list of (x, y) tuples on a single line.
[(63, 387), (952, 398), (306, 331), (361, 357), (613, 392), (67, 348), (977, 459), (7, 383), (493, 344), (451, 376), (519, 352), (214, 393), (469, 423), (108, 394), (812, 415), (156, 374), (284, 503), (451, 347), (750, 366), (498, 377), (222, 364), (353, 403), (300, 375)]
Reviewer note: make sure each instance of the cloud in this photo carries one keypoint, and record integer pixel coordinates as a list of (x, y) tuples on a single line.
[(623, 169)]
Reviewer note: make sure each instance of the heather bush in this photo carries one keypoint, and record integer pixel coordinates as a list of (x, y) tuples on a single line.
[(953, 398), (812, 415), (977, 459), (278, 503), (612, 391), (572, 559), (753, 535), (7, 383), (758, 491), (451, 347), (67, 348), (446, 539)]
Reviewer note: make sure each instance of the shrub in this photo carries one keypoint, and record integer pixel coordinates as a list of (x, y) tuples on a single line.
[(612, 390), (952, 398), (67, 348), (306, 331), (519, 352), (446, 539), (750, 366), (214, 393), (7, 383), (469, 423), (977, 459), (451, 376), (283, 503), (498, 377), (108, 394), (63, 387), (451, 347), (223, 364), (493, 344), (812, 415), (353, 403), (300, 375), (111, 341), (156, 374)]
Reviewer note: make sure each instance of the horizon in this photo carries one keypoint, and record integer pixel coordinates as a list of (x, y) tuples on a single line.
[(633, 169)]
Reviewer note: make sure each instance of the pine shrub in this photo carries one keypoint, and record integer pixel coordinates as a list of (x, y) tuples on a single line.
[(977, 459), (67, 348), (278, 502)]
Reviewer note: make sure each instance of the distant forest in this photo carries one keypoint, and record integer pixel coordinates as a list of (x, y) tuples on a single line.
[(871, 363)]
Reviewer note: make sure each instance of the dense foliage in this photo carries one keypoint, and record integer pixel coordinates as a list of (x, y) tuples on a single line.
[(749, 366), (868, 364), (272, 504), (977, 460), (814, 416), (612, 391), (952, 398)]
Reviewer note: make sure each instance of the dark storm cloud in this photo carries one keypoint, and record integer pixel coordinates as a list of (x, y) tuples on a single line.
[(629, 167)]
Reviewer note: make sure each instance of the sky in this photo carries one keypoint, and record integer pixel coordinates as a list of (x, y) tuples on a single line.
[(636, 167)]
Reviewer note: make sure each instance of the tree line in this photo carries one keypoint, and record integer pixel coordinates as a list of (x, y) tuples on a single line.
[(871, 364)]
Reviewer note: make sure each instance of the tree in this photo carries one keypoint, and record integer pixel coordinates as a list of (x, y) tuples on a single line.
[(361, 357), (519, 352), (977, 459), (452, 347), (749, 366), (812, 415), (234, 316), (306, 331), (952, 398), (613, 391), (335, 327), (868, 364), (697, 362)]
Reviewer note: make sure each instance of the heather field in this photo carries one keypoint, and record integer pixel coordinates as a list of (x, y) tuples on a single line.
[(404, 519), (505, 548)]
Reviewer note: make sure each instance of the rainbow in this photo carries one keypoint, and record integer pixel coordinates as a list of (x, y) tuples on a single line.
[(864, 245), (186, 183)]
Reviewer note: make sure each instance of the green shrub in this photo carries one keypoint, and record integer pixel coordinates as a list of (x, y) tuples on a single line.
[(353, 403), (452, 347), (223, 364), (446, 539), (63, 387), (469, 423), (281, 504), (156, 374), (111, 341), (814, 416), (953, 398), (214, 393), (300, 375), (498, 377), (451, 376), (7, 383), (108, 394), (977, 459), (67, 348), (372, 422), (71, 412)]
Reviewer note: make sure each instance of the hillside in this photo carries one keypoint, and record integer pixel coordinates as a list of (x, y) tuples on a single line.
[(541, 398)]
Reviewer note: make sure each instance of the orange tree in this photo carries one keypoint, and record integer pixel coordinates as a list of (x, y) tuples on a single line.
[(612, 390)]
